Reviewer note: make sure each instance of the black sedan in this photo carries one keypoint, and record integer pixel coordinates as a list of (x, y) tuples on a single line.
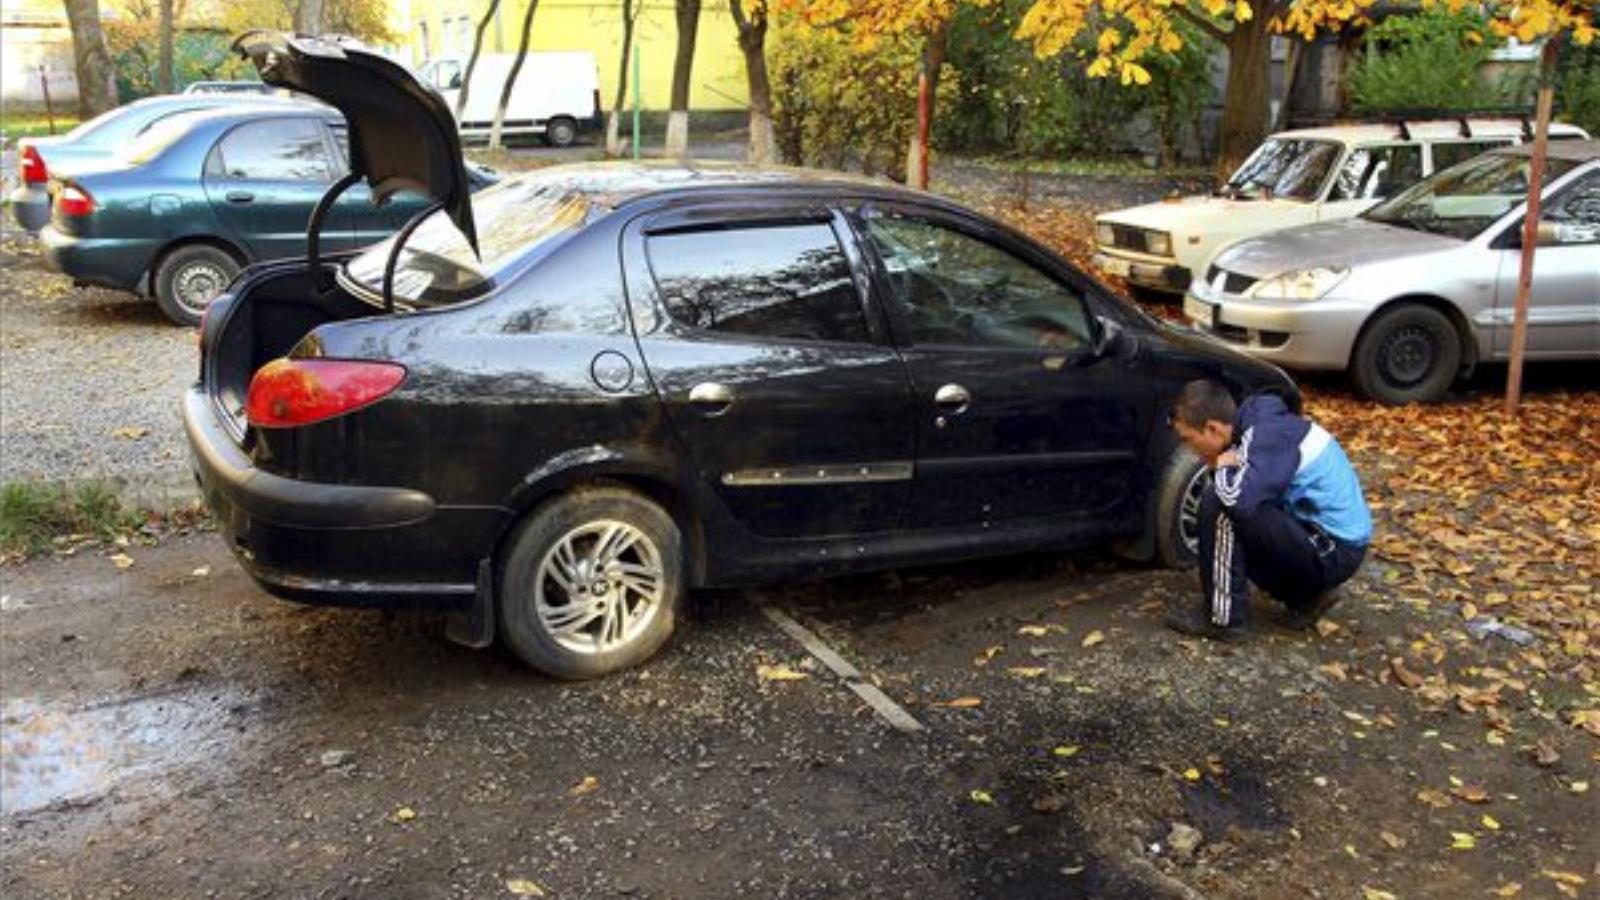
[(561, 405)]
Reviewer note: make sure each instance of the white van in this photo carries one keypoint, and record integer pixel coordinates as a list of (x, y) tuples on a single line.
[(557, 93), (1293, 178)]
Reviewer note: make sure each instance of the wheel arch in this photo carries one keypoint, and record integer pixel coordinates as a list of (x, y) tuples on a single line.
[(1458, 320)]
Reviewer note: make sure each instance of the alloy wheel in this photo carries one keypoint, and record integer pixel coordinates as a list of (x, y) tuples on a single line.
[(599, 586)]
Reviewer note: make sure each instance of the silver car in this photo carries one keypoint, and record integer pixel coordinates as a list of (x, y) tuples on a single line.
[(1416, 291)]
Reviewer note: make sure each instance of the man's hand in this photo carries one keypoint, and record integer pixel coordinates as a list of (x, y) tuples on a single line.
[(1228, 457)]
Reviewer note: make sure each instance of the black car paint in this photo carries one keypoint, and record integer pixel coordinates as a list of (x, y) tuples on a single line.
[(503, 408)]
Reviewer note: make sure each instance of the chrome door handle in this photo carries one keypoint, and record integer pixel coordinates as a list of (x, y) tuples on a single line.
[(240, 197), (952, 398), (712, 398)]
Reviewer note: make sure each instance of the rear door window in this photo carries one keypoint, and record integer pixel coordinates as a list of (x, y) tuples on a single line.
[(1448, 153), (785, 281), (1377, 173), (273, 150)]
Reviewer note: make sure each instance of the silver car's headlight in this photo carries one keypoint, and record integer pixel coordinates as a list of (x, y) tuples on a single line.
[(1158, 243), (1104, 234), (1300, 284)]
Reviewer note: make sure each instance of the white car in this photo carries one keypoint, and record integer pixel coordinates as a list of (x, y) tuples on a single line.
[(1294, 178), (557, 93)]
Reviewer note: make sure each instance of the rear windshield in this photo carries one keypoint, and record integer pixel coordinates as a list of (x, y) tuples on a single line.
[(154, 140), (437, 267)]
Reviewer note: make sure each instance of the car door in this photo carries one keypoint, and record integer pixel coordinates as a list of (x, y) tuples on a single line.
[(781, 385), (1369, 174), (263, 179), (1019, 419), (1564, 305)]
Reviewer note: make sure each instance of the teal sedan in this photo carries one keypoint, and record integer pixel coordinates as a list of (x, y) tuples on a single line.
[(184, 208)]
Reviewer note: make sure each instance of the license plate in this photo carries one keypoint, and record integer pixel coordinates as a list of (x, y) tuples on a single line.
[(1113, 266), (1199, 311)]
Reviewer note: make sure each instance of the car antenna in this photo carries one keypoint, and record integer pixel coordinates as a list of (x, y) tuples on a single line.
[(394, 253)]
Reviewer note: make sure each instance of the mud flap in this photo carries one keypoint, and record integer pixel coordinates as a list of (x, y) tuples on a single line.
[(473, 626)]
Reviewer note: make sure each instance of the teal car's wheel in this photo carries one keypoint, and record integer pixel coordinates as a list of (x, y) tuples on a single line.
[(189, 278)]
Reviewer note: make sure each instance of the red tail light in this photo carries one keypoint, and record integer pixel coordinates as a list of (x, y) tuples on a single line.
[(286, 393), (32, 166), (74, 201)]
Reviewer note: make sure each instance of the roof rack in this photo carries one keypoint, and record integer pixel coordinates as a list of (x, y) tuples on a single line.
[(1403, 119)]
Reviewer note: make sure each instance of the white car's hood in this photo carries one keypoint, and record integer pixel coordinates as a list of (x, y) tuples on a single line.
[(1347, 243), (1207, 215)]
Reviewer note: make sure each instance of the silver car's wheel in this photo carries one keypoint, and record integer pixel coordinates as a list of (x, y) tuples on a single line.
[(1408, 354), (591, 582), (599, 587)]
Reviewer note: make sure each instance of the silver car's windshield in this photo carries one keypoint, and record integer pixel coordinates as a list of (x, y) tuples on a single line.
[(1287, 168), (1462, 201), (437, 266)]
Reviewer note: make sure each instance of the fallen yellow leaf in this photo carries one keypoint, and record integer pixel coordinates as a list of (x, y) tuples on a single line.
[(982, 797), (587, 786), (1066, 751), (1461, 840), (1565, 877), (964, 703), (1368, 893), (522, 887), (121, 560), (1033, 630), (404, 814), (1191, 774), (778, 673), (1027, 671), (1510, 889), (1093, 637), (1490, 823)]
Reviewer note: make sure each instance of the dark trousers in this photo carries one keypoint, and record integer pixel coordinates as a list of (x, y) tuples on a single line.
[(1285, 557)]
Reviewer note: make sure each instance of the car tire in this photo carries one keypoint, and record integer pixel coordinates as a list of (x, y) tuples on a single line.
[(1178, 509), (1409, 354), (560, 132), (189, 278), (562, 589)]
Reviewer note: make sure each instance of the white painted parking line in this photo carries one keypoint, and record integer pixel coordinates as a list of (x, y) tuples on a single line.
[(892, 712)]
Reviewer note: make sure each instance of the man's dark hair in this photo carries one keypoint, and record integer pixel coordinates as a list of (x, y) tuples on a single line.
[(1204, 401)]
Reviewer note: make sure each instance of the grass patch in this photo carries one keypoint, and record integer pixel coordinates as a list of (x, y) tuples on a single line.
[(33, 515), (17, 123), (1117, 167)]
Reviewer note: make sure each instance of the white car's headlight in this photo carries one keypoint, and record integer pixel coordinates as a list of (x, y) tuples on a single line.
[(1300, 284), (1104, 234), (1158, 243)]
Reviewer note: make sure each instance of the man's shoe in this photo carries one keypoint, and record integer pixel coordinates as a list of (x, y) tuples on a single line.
[(1195, 624), (1306, 617)]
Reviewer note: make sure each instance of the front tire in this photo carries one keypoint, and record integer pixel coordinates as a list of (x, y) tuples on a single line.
[(1178, 509), (592, 583), (189, 278), (1410, 354), (561, 132)]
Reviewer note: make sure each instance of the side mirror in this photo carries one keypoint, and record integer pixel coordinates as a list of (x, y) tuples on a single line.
[(1547, 233), (1113, 338)]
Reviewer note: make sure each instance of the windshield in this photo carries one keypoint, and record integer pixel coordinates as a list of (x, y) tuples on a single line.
[(1290, 169), (438, 267), (1461, 202)]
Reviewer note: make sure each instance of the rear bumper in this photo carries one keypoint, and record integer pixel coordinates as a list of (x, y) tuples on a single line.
[(117, 263), (30, 206), (336, 544)]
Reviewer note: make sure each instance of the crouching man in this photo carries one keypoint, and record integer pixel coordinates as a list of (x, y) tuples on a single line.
[(1283, 510)]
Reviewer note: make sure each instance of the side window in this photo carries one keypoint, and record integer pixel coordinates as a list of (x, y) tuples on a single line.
[(1576, 213), (955, 289), (1378, 173), (788, 281), (1447, 154), (273, 150), (341, 141)]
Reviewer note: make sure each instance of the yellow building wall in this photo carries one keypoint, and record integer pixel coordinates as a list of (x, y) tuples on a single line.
[(718, 81)]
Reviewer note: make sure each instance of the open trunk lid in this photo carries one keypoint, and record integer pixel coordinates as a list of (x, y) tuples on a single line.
[(402, 134)]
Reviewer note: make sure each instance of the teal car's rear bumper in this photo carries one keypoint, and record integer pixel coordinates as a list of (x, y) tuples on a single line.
[(119, 263)]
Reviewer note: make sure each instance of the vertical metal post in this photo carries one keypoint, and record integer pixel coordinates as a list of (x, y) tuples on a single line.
[(49, 112), (637, 52), (1530, 224)]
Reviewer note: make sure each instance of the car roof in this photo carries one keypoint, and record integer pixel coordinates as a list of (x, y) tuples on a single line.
[(617, 184), (1420, 129), (1572, 151), (247, 109)]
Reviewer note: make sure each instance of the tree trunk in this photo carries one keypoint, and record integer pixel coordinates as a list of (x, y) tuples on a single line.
[(682, 67), (164, 74), (753, 41), (917, 152), (97, 92), (630, 14), (310, 16), (511, 78), (1246, 104), (472, 61)]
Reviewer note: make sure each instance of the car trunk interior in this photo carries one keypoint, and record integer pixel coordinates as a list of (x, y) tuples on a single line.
[(269, 316)]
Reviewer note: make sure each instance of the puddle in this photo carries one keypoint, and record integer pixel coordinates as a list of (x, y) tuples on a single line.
[(53, 756)]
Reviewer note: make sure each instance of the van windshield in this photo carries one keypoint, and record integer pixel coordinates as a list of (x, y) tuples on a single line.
[(437, 266), (1284, 168)]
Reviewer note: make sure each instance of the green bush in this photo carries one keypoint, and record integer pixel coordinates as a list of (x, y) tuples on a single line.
[(1578, 86), (838, 105), (1007, 97), (1430, 60)]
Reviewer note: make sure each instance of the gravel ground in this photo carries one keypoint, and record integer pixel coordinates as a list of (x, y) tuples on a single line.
[(89, 379)]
